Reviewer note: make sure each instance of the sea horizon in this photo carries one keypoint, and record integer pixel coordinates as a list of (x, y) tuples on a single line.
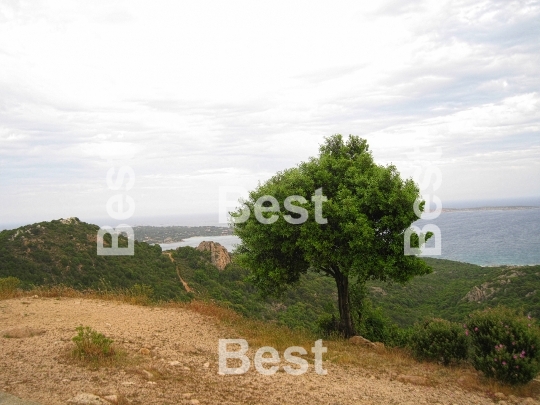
[(488, 238)]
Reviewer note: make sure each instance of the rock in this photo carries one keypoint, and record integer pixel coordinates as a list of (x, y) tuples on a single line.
[(359, 340), (113, 399), (412, 379), (144, 351), (206, 365), (218, 254), (378, 290), (70, 220), (195, 401), (479, 294), (148, 374), (499, 395), (87, 399), (174, 363)]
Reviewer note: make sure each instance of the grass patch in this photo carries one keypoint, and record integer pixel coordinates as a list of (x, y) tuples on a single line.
[(96, 350), (137, 295)]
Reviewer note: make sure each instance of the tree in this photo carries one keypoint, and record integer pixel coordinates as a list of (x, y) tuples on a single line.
[(351, 230)]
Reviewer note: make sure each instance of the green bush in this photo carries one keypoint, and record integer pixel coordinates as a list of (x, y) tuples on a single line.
[(91, 345), (506, 346), (328, 325), (142, 294), (9, 284), (371, 324), (377, 327), (439, 340)]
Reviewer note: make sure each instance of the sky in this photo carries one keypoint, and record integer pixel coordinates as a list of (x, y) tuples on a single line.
[(198, 98)]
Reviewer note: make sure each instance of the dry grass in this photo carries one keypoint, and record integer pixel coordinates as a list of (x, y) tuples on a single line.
[(62, 291), (21, 333)]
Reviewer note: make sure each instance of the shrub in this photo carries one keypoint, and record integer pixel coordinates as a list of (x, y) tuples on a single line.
[(328, 325), (377, 327), (91, 345), (9, 285), (439, 340), (372, 325), (141, 294), (505, 345)]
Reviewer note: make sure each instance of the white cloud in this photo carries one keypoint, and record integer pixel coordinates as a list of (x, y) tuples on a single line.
[(197, 95)]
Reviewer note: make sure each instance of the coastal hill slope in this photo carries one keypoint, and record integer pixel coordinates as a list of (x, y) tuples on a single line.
[(64, 252)]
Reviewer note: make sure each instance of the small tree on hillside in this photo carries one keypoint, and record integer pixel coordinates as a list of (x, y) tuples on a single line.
[(352, 229)]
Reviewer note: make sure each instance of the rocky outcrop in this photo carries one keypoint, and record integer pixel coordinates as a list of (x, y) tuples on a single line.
[(362, 341), (218, 254), (378, 290), (479, 294), (69, 221)]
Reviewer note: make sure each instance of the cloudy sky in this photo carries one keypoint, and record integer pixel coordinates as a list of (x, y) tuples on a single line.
[(198, 95)]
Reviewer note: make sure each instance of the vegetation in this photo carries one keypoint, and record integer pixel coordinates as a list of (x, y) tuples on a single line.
[(95, 349), (357, 236), (34, 256), (505, 345), (299, 308), (8, 285), (64, 252), (452, 291), (91, 345), (448, 292), (439, 340)]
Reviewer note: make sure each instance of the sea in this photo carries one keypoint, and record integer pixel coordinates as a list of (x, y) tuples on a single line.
[(490, 237)]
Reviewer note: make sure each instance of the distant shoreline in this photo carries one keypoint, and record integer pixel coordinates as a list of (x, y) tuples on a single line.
[(502, 208)]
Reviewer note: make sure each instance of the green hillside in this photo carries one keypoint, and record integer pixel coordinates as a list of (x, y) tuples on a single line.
[(64, 252), (300, 306), (455, 289)]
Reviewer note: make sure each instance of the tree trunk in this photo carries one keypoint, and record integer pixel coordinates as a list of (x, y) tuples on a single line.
[(345, 322)]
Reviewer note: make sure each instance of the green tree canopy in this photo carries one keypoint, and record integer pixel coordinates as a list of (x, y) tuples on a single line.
[(340, 214)]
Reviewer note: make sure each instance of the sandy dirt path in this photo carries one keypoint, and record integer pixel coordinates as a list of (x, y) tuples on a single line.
[(182, 366)]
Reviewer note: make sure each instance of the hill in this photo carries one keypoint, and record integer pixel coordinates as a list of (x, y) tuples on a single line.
[(64, 252), (455, 289)]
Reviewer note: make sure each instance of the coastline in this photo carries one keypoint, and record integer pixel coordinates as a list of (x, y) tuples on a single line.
[(488, 208)]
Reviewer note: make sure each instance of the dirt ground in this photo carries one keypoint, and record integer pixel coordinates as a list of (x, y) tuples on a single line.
[(180, 365)]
